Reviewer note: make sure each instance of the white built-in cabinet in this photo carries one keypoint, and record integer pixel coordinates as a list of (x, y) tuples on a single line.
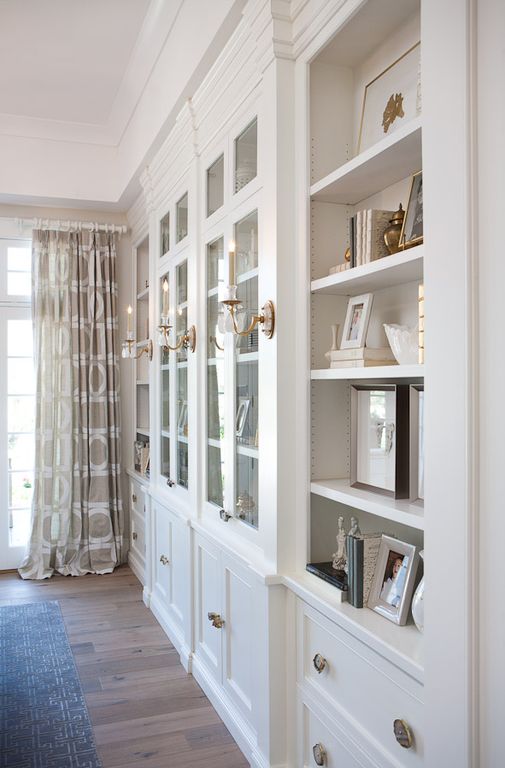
[(250, 439)]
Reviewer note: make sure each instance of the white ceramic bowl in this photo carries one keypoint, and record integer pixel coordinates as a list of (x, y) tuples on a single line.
[(404, 342)]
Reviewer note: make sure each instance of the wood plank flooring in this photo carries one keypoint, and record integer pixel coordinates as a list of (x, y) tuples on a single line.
[(145, 709)]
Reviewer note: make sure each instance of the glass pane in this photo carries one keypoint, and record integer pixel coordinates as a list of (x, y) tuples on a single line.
[(215, 375), (165, 400), (182, 217), (165, 234), (19, 258), (247, 490), (20, 489), (19, 283), (182, 282), (246, 162), (215, 264), (19, 526), (19, 338), (20, 376), (182, 464), (248, 292), (21, 414), (215, 475), (21, 452), (165, 457), (215, 186), (246, 243)]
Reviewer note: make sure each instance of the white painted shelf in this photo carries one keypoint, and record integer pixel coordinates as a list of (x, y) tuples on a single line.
[(182, 439), (397, 510), (390, 160), (143, 295), (399, 268), (390, 372), (214, 443), (141, 383), (143, 431), (246, 450), (247, 357)]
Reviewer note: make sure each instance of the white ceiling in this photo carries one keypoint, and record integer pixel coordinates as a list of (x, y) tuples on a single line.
[(66, 59)]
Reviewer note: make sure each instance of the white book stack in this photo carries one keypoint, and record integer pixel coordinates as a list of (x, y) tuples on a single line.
[(369, 226), (361, 357)]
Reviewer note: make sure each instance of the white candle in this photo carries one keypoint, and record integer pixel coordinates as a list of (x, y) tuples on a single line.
[(129, 315), (231, 263), (165, 297)]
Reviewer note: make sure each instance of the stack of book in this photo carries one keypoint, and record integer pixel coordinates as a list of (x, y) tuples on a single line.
[(366, 236), (362, 552), (361, 357), (339, 268)]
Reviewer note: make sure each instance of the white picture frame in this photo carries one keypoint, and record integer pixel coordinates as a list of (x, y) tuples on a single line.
[(356, 322), (394, 579), (241, 417), (391, 99)]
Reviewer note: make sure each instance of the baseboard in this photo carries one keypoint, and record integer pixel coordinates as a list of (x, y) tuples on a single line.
[(137, 567), (172, 630), (238, 727), (146, 597)]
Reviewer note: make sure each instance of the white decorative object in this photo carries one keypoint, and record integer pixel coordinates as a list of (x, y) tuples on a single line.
[(355, 531), (404, 342), (418, 602), (340, 556), (334, 341)]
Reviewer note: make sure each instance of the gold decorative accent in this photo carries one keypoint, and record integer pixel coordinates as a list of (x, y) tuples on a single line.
[(145, 349), (164, 560), (319, 754), (213, 340), (319, 663), (394, 109), (215, 620), (393, 230), (347, 254), (266, 318), (188, 340), (403, 734)]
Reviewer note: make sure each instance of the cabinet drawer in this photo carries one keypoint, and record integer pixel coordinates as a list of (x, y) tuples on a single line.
[(320, 745), (137, 498), (359, 684)]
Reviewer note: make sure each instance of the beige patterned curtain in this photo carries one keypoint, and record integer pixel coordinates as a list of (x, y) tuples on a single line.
[(77, 524)]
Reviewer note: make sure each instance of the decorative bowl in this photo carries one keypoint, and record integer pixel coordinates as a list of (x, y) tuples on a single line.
[(404, 342)]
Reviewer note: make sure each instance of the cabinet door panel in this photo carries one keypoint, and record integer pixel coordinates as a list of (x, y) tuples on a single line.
[(321, 746), (239, 629), (208, 600), (162, 553), (138, 542), (179, 569)]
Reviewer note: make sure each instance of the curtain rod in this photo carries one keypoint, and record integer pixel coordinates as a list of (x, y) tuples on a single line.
[(60, 225)]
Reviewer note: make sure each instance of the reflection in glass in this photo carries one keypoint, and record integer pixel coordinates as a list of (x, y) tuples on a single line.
[(165, 390), (182, 218), (165, 234), (181, 324), (247, 490), (246, 161), (215, 186), (376, 438)]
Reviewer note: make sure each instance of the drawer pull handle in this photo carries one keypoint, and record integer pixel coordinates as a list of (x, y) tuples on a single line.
[(134, 498), (134, 535), (164, 560), (224, 515), (216, 620), (403, 734), (319, 663), (319, 753), (170, 483)]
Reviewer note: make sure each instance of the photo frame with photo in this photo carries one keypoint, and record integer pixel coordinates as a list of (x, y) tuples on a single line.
[(412, 227), (380, 430), (416, 403), (356, 322), (391, 99), (394, 579)]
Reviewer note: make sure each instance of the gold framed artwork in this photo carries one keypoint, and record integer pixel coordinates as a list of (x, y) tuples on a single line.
[(412, 227), (391, 99)]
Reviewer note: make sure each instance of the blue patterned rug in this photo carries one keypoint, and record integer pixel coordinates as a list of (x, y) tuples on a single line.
[(44, 721)]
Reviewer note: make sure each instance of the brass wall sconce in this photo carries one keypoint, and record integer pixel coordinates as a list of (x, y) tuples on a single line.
[(265, 318), (187, 341), (129, 348)]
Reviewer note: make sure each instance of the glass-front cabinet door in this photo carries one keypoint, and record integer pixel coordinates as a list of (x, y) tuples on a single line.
[(181, 371), (215, 375), (165, 386)]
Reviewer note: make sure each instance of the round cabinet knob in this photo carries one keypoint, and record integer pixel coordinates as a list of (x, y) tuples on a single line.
[(134, 498), (403, 734), (319, 663), (215, 620), (319, 754), (164, 560)]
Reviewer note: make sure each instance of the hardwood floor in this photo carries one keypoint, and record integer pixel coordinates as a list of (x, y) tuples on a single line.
[(145, 709)]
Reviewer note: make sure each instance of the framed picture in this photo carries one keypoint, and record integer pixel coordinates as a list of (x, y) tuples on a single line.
[(391, 99), (393, 581), (356, 321), (380, 439), (412, 227), (416, 400), (242, 413)]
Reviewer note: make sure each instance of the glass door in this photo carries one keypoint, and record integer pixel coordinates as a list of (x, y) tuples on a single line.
[(215, 375), (181, 371), (165, 386)]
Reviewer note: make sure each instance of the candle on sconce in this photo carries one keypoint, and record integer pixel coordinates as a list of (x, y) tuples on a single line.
[(231, 263), (165, 297), (129, 315)]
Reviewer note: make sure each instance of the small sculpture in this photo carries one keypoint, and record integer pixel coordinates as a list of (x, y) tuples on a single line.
[(340, 556), (355, 531), (334, 341), (393, 231)]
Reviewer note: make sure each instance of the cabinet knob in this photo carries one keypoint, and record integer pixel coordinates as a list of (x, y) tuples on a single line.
[(215, 620), (319, 663), (319, 754), (403, 734), (134, 535), (170, 483), (224, 515), (164, 560), (134, 498)]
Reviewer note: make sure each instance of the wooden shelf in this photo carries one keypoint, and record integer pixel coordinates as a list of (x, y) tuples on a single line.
[(399, 511), (403, 267), (390, 160), (390, 372)]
